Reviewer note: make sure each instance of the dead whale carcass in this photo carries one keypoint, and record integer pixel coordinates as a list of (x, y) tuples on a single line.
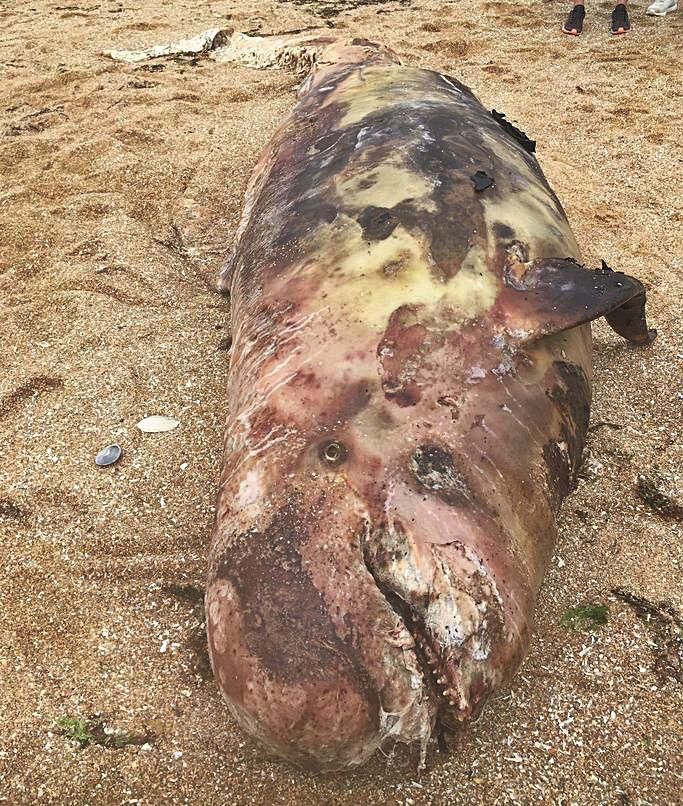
[(408, 402)]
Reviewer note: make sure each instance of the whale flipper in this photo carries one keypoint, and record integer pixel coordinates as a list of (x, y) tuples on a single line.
[(551, 295)]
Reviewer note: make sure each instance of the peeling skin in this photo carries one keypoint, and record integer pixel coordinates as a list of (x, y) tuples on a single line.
[(408, 402)]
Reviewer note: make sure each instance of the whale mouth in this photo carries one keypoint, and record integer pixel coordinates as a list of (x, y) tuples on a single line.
[(451, 608)]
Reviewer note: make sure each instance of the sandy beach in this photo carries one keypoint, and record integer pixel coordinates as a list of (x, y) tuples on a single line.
[(120, 190)]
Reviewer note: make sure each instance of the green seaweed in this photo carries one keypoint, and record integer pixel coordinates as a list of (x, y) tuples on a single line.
[(75, 729), (585, 617)]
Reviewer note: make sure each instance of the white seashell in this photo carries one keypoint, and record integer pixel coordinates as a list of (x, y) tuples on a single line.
[(156, 424)]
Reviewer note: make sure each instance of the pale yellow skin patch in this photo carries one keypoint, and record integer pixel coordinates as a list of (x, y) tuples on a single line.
[(388, 184), (371, 88), (376, 278)]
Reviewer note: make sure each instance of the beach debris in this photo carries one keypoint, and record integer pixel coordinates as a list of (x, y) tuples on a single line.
[(93, 730), (665, 625), (651, 488), (109, 455), (204, 42), (157, 424), (297, 52)]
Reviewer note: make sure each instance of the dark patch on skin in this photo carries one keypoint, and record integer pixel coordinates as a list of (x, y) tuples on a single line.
[(435, 470), (517, 134), (558, 473), (503, 232), (573, 397), (408, 395), (575, 394), (349, 401), (327, 140), (285, 620), (377, 222), (398, 351), (307, 210), (394, 268), (481, 181)]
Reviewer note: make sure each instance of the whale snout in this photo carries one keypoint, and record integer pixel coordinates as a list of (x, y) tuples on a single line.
[(292, 686), (312, 660)]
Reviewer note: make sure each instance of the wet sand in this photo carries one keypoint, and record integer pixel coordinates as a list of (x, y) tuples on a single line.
[(120, 191)]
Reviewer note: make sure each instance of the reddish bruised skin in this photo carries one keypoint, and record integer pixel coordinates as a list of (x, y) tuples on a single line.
[(408, 402)]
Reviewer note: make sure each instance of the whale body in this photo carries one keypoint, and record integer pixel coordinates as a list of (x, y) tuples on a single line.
[(408, 401)]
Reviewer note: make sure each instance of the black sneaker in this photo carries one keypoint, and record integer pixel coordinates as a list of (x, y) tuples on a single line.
[(620, 21), (573, 25)]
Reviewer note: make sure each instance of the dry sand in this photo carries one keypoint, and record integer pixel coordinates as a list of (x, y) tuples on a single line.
[(120, 192)]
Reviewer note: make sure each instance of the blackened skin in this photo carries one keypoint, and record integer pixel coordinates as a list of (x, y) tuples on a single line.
[(481, 181), (559, 473), (560, 294), (378, 223), (517, 134), (573, 397), (629, 319), (435, 470)]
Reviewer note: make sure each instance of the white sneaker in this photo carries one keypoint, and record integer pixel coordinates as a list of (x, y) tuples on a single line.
[(660, 8)]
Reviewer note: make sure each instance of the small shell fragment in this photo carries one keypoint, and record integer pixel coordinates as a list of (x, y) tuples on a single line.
[(109, 455), (156, 424)]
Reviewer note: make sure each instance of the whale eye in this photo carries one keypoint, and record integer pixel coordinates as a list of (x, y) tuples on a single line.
[(332, 452)]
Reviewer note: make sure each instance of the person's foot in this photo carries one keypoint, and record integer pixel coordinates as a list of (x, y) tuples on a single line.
[(573, 25), (660, 8), (620, 21)]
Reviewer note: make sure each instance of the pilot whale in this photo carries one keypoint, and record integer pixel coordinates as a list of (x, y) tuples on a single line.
[(408, 400)]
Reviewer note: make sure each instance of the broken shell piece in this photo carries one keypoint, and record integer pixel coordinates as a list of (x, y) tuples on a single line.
[(156, 424), (109, 455)]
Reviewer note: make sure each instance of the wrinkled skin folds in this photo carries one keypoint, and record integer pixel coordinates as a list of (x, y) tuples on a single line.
[(409, 396)]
